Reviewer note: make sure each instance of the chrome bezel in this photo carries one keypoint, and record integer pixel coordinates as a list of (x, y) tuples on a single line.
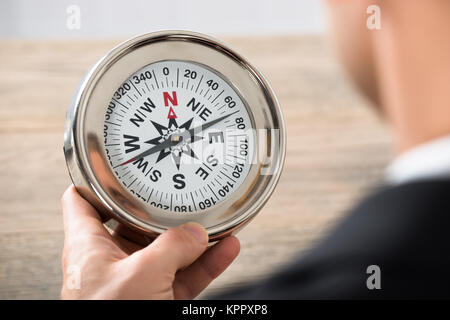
[(83, 139)]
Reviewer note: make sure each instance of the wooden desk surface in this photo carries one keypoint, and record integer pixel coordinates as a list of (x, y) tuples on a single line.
[(337, 148)]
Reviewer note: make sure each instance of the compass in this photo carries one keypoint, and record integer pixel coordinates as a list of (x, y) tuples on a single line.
[(171, 127)]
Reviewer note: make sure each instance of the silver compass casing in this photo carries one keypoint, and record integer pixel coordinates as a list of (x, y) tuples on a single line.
[(83, 137)]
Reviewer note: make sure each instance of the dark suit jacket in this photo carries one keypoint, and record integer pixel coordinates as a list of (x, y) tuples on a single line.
[(405, 230)]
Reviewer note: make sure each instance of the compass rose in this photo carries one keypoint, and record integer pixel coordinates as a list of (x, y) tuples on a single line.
[(174, 133)]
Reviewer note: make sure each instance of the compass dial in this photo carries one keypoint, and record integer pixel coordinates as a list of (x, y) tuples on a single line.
[(178, 136)]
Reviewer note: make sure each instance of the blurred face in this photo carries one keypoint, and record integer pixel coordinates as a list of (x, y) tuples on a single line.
[(352, 41)]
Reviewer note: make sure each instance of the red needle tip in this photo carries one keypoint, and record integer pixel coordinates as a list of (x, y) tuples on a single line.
[(126, 162)]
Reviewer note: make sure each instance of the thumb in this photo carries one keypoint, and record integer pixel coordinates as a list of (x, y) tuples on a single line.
[(177, 247)]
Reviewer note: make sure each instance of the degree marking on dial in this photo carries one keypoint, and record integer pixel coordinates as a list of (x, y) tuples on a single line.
[(150, 194), (121, 104), (224, 174), (126, 173), (217, 96), (234, 156), (135, 88), (237, 135), (116, 124), (154, 77), (115, 155), (198, 85), (195, 207), (128, 96), (213, 192)]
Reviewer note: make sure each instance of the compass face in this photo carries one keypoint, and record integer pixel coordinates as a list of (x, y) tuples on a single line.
[(178, 136)]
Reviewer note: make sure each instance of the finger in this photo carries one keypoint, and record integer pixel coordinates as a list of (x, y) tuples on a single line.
[(80, 218), (175, 248), (124, 244), (128, 240), (194, 279), (133, 236)]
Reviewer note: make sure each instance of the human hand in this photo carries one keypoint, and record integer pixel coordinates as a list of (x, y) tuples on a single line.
[(176, 265)]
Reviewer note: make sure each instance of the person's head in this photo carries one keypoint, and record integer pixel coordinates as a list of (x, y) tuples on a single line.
[(353, 43), (403, 67)]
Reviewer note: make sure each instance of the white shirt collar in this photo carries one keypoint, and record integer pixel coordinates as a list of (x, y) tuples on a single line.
[(430, 160)]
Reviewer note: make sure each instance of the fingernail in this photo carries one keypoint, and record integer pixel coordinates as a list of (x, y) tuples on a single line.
[(197, 230)]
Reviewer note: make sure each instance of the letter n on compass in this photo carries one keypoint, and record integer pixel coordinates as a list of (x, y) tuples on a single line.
[(173, 101)]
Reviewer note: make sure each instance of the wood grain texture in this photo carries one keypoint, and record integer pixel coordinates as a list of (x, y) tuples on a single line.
[(337, 149)]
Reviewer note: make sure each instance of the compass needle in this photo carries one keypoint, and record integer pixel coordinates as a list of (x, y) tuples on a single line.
[(170, 142)]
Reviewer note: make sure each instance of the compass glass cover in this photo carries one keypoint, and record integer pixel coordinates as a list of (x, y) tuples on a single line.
[(178, 136)]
